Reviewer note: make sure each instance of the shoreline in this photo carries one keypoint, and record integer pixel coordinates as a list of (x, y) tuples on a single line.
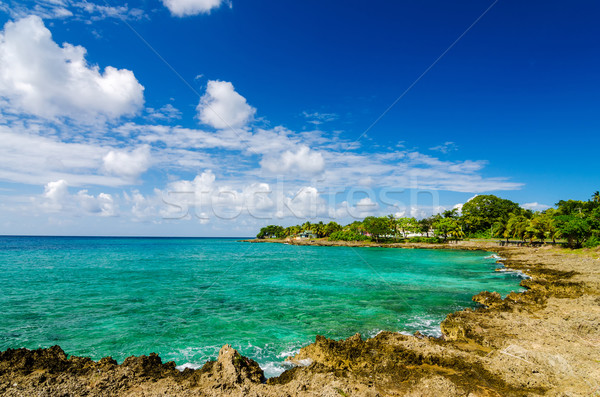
[(541, 341), (458, 245)]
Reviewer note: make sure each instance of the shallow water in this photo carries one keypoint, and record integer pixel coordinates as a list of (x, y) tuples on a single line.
[(185, 298)]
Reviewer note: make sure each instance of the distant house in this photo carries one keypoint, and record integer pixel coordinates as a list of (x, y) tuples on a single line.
[(307, 234)]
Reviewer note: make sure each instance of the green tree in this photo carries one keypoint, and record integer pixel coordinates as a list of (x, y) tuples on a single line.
[(517, 225), (377, 226), (594, 220), (457, 233), (292, 230), (453, 213), (347, 235), (307, 227), (570, 207), (575, 229), (319, 229), (271, 231), (535, 229), (406, 225), (481, 212), (332, 227), (499, 229), (447, 227), (355, 227), (425, 225), (393, 224)]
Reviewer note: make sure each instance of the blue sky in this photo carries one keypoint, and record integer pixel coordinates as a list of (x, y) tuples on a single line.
[(213, 118)]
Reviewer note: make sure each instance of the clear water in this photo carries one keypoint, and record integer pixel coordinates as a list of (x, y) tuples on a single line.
[(185, 298)]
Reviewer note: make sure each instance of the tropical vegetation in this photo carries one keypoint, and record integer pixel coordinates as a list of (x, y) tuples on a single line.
[(574, 223)]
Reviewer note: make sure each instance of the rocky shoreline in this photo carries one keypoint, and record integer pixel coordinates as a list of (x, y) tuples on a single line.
[(544, 341)]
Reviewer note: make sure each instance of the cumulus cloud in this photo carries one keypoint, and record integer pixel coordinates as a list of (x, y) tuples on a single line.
[(222, 107), (305, 203), (183, 8), (55, 194), (144, 208), (56, 198), (128, 164), (41, 78), (204, 198), (304, 160), (103, 204), (364, 207)]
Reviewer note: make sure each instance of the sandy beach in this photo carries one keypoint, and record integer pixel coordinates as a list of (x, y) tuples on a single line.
[(545, 341)]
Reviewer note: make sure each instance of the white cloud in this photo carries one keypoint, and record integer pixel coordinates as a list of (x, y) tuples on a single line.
[(458, 207), (41, 78), (204, 198), (207, 199), (128, 164), (166, 113), (79, 10), (363, 208), (56, 198), (283, 151), (222, 107), (446, 147), (144, 208), (27, 157), (305, 203), (318, 118), (47, 9), (55, 194), (97, 12), (303, 161), (535, 206), (182, 8), (103, 204)]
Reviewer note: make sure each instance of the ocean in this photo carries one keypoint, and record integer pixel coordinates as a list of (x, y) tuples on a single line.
[(184, 298)]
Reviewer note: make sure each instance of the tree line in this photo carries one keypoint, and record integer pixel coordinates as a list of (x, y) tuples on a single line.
[(575, 222)]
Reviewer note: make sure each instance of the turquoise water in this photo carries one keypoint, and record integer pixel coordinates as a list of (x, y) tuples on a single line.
[(185, 298)]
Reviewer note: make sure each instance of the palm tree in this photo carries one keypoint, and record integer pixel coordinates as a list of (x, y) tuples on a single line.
[(499, 230), (596, 197), (551, 229), (393, 224), (517, 226), (456, 233), (292, 231), (307, 226), (319, 229)]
